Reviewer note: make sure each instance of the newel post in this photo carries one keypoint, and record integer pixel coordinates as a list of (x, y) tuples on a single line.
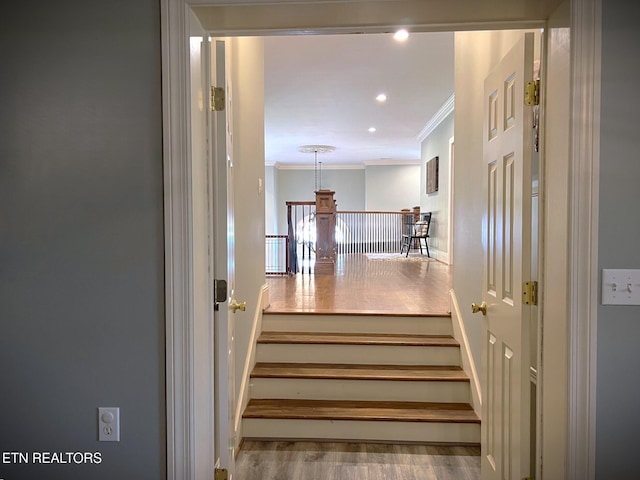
[(325, 233)]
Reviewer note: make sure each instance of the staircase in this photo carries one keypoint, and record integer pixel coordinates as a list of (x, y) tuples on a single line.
[(359, 377)]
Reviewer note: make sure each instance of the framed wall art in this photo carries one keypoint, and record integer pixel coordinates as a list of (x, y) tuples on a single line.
[(432, 175)]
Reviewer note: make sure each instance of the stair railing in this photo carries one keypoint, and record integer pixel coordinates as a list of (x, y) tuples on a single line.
[(356, 232), (368, 231), (277, 255)]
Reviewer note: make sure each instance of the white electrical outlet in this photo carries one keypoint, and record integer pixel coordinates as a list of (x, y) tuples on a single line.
[(109, 424), (620, 287)]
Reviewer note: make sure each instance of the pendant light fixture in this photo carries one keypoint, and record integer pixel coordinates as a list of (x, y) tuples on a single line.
[(315, 149)]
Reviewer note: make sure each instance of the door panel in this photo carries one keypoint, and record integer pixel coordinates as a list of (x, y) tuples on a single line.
[(507, 264), (202, 329), (224, 253)]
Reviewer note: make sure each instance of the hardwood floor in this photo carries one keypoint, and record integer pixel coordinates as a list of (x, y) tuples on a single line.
[(415, 285), (351, 461)]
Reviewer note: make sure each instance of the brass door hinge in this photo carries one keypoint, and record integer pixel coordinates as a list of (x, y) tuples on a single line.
[(217, 99), (532, 93), (530, 293), (221, 474)]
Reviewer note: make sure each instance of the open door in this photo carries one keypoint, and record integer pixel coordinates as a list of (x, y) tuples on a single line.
[(199, 391), (224, 254), (507, 156)]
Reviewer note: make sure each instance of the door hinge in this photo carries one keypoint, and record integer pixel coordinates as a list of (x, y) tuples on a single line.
[(217, 99), (221, 474), (530, 293), (532, 93)]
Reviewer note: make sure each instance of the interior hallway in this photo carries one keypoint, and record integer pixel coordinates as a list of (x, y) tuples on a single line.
[(416, 285), (368, 283)]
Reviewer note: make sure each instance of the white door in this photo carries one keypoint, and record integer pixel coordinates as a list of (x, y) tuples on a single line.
[(202, 335), (507, 264), (224, 257)]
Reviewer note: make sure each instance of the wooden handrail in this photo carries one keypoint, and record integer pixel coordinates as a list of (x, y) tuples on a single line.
[(371, 211), (300, 203)]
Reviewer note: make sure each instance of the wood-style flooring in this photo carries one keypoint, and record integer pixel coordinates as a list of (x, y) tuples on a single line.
[(416, 285), (351, 461), (368, 286)]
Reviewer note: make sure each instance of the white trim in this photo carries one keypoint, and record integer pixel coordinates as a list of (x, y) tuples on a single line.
[(300, 166), (391, 162), (360, 166), (585, 21), (445, 110), (450, 231), (468, 363), (439, 255), (178, 232), (250, 361), (583, 262)]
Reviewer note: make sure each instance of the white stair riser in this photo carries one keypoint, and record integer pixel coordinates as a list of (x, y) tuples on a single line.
[(386, 431), (357, 324), (357, 354), (340, 389)]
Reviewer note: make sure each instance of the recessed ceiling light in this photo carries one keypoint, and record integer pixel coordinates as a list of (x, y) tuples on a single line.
[(381, 98), (401, 35), (372, 129)]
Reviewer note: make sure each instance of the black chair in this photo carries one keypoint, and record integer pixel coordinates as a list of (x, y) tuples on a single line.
[(416, 233)]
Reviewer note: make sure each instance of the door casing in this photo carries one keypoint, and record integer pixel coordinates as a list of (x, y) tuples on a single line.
[(582, 268)]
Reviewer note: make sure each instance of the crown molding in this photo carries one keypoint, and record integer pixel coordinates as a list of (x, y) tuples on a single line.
[(390, 162), (302, 166), (444, 111)]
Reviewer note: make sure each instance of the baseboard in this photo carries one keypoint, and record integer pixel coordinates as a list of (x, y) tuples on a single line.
[(250, 360), (439, 255), (468, 363)]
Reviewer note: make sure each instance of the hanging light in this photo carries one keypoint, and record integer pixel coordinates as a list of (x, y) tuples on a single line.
[(315, 149)]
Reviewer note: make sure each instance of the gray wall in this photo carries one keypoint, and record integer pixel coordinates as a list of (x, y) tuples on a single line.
[(392, 187), (374, 188), (296, 185), (618, 391), (81, 235)]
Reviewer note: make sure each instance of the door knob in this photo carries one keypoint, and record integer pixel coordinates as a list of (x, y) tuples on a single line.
[(475, 308), (235, 306)]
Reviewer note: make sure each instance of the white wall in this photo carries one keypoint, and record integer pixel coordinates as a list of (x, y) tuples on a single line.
[(437, 144), (247, 76), (271, 199)]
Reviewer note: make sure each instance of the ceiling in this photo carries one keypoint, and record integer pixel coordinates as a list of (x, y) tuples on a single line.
[(321, 90)]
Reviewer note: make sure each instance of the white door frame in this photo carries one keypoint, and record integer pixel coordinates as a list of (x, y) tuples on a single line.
[(583, 196), (584, 164), (450, 233)]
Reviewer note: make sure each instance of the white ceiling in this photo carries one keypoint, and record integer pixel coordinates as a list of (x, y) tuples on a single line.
[(321, 89)]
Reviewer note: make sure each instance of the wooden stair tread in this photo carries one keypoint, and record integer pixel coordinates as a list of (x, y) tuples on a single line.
[(359, 372), (278, 409), (337, 313), (357, 339)]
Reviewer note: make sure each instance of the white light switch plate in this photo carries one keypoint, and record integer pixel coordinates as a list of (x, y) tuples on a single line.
[(620, 287)]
